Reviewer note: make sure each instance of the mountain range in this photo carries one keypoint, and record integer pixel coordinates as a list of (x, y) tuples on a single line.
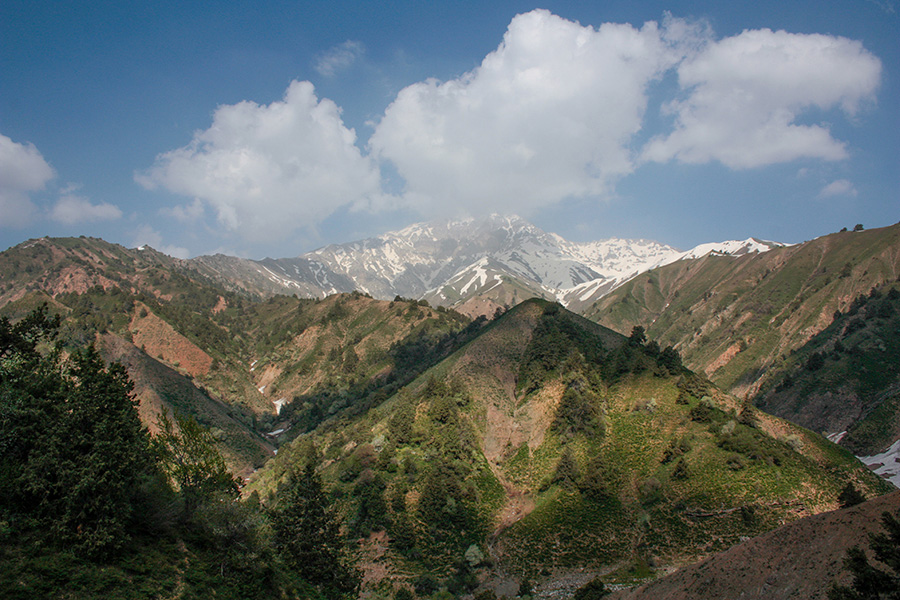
[(505, 259), (674, 417)]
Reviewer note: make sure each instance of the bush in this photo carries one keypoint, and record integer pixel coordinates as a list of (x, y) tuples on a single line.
[(592, 590), (681, 470), (850, 496), (704, 411), (404, 593)]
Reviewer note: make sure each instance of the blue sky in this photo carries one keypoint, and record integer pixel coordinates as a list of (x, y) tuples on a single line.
[(270, 129)]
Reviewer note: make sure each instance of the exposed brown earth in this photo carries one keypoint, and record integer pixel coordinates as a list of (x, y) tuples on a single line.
[(159, 389), (158, 338), (722, 360), (799, 560), (478, 307)]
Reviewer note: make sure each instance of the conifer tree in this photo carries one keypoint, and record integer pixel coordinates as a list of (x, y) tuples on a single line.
[(72, 449), (307, 537)]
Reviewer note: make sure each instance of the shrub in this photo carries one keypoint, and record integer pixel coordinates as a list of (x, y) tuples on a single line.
[(704, 411), (675, 449), (850, 496), (404, 593), (592, 590)]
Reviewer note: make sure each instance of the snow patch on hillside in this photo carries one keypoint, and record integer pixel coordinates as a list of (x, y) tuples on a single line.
[(886, 464)]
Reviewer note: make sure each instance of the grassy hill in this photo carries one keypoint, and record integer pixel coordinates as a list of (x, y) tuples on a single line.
[(549, 442)]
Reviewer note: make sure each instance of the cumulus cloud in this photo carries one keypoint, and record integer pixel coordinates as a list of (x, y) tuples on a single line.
[(72, 210), (269, 170), (554, 112), (22, 170), (840, 187), (338, 58), (187, 212), (745, 95), (549, 114)]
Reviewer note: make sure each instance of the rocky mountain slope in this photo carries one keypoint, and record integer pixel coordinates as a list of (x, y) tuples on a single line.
[(846, 379), (463, 448), (548, 442), (735, 317)]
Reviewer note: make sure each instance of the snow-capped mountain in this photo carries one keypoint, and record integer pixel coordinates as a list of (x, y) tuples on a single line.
[(505, 258)]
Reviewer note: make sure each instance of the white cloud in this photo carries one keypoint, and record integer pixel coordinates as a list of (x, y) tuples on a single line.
[(186, 213), (72, 210), (338, 58), (147, 236), (840, 187), (745, 94), (549, 114), (269, 170), (22, 170)]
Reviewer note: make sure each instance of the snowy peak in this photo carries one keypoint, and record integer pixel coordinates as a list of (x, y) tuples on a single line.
[(732, 248), (505, 258)]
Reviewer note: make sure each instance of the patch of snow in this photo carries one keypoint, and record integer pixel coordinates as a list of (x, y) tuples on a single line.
[(279, 404), (479, 276), (886, 464), (262, 390), (836, 437)]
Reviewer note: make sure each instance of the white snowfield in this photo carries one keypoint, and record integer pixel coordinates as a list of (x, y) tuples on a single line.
[(464, 258), (886, 464)]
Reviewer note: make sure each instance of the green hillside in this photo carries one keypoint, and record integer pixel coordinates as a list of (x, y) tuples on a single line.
[(243, 367), (450, 450), (733, 318), (846, 378), (551, 442)]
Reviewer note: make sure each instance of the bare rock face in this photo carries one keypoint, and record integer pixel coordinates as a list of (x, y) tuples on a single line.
[(799, 560)]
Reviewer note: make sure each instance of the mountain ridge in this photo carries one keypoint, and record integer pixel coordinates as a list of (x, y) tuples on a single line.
[(427, 260), (740, 320)]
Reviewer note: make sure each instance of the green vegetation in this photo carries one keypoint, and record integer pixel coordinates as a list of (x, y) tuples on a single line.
[(442, 446), (85, 509), (634, 457), (592, 590), (307, 537), (854, 361)]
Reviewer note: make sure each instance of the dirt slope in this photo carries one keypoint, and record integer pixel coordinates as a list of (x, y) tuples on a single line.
[(799, 560)]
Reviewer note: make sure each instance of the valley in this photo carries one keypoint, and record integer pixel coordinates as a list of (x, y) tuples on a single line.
[(485, 403)]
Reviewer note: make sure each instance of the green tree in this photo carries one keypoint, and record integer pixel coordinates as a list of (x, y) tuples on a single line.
[(187, 453), (638, 336), (306, 535), (73, 452)]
